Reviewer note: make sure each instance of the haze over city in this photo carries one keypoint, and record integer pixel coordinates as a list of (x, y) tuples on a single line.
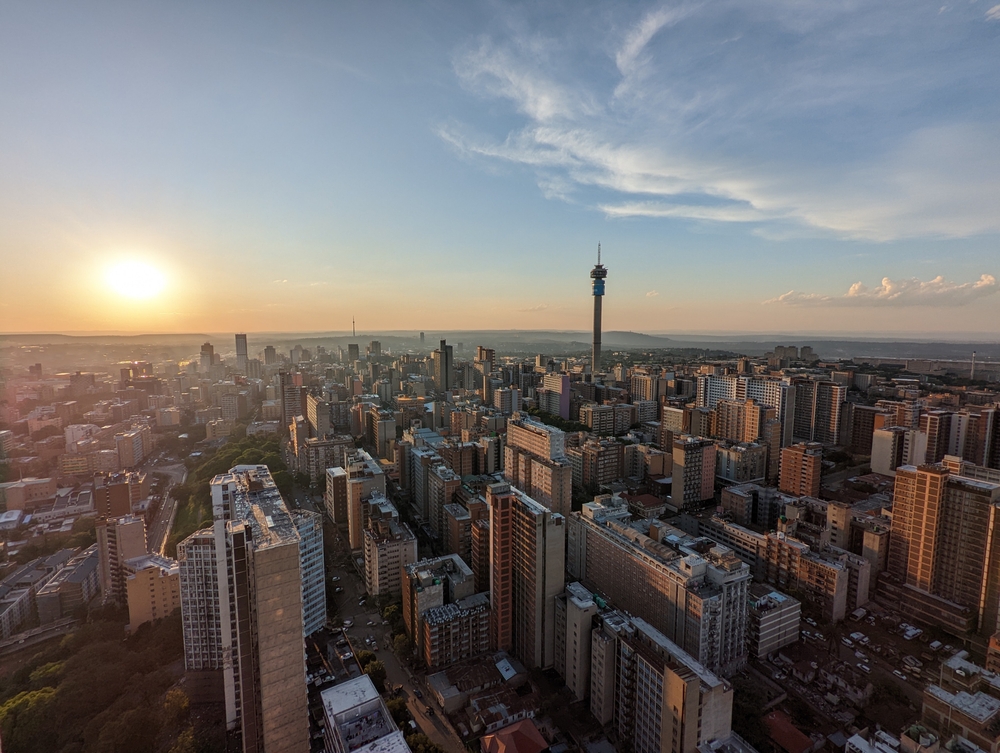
[(755, 167), (500, 377)]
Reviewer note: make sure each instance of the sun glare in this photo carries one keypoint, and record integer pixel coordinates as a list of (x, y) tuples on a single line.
[(135, 279)]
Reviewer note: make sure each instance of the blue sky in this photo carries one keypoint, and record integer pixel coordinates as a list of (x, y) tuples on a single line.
[(748, 166)]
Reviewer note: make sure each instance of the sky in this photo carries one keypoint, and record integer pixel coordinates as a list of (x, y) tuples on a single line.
[(761, 166)]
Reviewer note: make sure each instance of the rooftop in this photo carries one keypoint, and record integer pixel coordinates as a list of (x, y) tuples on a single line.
[(979, 707)]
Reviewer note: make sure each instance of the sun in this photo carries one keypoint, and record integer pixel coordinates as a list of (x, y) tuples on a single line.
[(135, 279)]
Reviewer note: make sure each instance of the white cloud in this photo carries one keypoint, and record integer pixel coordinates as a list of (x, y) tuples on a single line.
[(652, 294), (497, 72), (753, 128), (533, 309), (993, 14), (908, 292), (280, 281), (643, 32)]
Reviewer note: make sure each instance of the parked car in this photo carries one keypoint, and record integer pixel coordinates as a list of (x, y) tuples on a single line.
[(865, 668), (899, 674)]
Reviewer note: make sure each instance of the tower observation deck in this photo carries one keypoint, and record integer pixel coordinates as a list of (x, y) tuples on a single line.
[(598, 275)]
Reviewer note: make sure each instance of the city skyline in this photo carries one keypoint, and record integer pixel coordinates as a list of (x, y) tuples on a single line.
[(827, 168)]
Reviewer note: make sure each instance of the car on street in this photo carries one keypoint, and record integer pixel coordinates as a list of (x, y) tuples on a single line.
[(899, 674), (338, 590), (429, 711), (335, 578), (417, 693)]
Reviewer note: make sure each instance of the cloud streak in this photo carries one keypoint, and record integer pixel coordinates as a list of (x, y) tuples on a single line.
[(687, 122), (907, 292)]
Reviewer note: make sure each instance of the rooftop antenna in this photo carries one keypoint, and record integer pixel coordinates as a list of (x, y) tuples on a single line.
[(598, 252)]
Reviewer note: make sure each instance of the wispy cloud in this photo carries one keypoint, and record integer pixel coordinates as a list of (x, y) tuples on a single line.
[(497, 72), (532, 309), (908, 292), (280, 281), (993, 14), (652, 294), (777, 127)]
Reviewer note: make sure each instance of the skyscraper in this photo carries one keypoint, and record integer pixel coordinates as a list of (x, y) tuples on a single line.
[(943, 551), (241, 353), (243, 625), (597, 274), (207, 357), (527, 563), (443, 378)]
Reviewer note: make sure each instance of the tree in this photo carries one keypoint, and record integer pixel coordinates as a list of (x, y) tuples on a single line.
[(397, 707), (376, 671), (176, 706), (364, 658), (25, 721), (185, 742), (403, 646), (420, 743)]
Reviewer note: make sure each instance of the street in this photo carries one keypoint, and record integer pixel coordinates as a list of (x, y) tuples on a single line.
[(367, 622), (159, 532)]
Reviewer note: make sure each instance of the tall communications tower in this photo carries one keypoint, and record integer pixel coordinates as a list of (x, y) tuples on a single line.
[(597, 274)]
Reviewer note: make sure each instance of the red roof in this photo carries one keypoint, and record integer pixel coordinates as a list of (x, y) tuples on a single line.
[(786, 735), (522, 737)]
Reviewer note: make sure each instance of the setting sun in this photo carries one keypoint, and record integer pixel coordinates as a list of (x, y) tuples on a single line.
[(135, 279)]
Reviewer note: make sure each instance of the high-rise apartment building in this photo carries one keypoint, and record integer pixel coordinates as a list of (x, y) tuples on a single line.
[(553, 397), (943, 550), (694, 472), (152, 587), (692, 590), (801, 469), (443, 368), (818, 406), (364, 478), (389, 546), (270, 355), (575, 612), (248, 586), (778, 394), (118, 540), (290, 391), (431, 583), (535, 462), (207, 357), (658, 696), (318, 416), (527, 558), (241, 354)]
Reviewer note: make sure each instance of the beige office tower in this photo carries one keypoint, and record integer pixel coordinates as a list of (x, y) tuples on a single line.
[(527, 562), (364, 476), (118, 540), (535, 462), (944, 549), (657, 696), (243, 587)]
